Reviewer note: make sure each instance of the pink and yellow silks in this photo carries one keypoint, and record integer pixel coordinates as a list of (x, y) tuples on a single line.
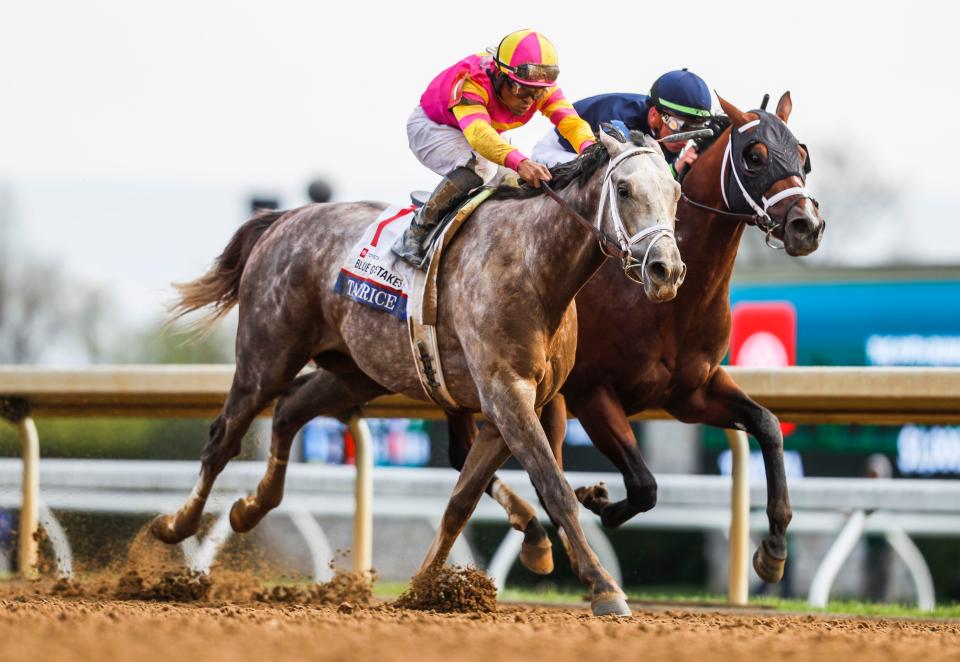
[(463, 97)]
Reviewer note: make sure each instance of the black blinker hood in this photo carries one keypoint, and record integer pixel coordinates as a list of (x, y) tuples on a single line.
[(783, 160)]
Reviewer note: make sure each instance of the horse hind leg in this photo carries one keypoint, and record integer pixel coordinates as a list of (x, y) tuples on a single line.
[(553, 418), (316, 394), (226, 433), (259, 378), (536, 552), (488, 454)]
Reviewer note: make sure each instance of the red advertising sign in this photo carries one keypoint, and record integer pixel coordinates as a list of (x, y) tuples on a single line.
[(764, 335)]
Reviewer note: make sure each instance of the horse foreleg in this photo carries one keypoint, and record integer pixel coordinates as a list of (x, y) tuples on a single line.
[(605, 421), (320, 393), (721, 403), (509, 404), (488, 454), (536, 552)]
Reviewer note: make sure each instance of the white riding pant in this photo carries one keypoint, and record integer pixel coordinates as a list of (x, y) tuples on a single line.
[(443, 148), (550, 152)]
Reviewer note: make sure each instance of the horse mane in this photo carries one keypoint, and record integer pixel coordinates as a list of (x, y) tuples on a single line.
[(564, 174)]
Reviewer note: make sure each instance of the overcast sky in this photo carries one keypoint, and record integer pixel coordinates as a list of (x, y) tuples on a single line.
[(131, 133)]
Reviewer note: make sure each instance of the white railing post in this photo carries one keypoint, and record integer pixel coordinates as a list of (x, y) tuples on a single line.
[(363, 493), (737, 586), (30, 507), (837, 554), (919, 570)]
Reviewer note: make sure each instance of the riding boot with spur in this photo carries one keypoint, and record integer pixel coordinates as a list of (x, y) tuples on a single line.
[(450, 192)]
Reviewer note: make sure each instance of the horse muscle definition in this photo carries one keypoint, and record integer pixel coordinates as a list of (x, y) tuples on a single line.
[(507, 331), (633, 356)]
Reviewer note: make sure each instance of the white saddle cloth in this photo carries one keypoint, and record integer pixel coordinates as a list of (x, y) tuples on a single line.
[(372, 274)]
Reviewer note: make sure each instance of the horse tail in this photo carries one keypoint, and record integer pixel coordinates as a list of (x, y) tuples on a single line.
[(220, 286)]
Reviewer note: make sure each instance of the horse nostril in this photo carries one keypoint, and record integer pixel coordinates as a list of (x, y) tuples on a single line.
[(657, 271), (800, 226)]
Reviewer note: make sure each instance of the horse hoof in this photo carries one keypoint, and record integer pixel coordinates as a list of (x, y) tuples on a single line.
[(767, 566), (537, 557), (594, 498), (238, 517), (163, 530), (610, 604)]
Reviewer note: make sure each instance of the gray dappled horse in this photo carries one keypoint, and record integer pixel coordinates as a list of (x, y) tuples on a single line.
[(507, 330)]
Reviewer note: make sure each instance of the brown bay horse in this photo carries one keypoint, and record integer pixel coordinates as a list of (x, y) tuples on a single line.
[(507, 330), (632, 355)]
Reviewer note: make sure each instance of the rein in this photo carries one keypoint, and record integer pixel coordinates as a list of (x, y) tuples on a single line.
[(607, 245), (620, 249)]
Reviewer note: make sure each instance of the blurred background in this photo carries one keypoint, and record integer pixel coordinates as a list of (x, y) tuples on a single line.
[(135, 138)]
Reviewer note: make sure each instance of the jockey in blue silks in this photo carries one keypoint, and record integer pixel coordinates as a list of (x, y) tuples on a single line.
[(679, 101)]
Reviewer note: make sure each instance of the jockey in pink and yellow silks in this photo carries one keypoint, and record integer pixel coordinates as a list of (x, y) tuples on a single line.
[(455, 130)]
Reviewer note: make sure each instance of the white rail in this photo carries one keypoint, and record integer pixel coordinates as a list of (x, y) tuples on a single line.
[(897, 507), (856, 395)]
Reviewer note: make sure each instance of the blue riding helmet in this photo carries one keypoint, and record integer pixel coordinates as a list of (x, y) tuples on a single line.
[(682, 93)]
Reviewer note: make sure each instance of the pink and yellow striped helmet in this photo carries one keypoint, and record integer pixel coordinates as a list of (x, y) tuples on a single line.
[(529, 58)]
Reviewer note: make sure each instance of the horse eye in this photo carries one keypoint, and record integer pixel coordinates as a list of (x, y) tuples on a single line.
[(623, 192)]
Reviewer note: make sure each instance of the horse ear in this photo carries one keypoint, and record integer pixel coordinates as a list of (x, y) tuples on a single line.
[(784, 107), (612, 145), (734, 113)]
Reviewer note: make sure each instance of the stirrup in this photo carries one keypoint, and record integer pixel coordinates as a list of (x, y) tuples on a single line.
[(415, 258)]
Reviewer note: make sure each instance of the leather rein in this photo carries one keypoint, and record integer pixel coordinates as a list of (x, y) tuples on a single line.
[(607, 245), (621, 247)]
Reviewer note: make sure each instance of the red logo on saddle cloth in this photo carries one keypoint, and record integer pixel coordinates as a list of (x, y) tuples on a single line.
[(384, 223), (764, 335)]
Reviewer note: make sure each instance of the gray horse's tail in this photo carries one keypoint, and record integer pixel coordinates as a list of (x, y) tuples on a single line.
[(220, 286)]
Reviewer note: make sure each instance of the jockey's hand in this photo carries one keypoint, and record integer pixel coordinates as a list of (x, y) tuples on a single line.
[(533, 173), (686, 159)]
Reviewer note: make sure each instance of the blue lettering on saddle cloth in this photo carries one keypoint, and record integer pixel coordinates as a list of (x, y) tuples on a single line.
[(372, 294), (371, 274)]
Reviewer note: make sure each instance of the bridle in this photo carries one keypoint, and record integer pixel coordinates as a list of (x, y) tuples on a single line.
[(621, 248), (760, 216)]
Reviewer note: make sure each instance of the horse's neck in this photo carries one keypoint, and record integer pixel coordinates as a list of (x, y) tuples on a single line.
[(708, 241), (569, 253)]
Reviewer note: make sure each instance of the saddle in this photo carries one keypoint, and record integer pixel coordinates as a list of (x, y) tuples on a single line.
[(422, 307)]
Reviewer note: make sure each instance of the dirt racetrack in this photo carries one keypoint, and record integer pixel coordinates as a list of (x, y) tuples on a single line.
[(36, 626)]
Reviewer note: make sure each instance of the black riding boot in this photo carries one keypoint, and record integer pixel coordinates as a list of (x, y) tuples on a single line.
[(450, 192)]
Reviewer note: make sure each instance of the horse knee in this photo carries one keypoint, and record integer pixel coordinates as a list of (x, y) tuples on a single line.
[(215, 454), (643, 497), (284, 426), (454, 517), (766, 429), (216, 431)]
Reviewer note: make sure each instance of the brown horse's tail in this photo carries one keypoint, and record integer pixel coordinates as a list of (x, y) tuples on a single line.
[(220, 286)]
